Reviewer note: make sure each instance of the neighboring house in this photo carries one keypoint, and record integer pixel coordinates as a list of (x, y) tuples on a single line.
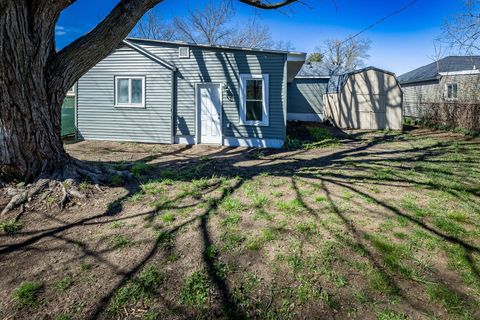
[(305, 93), (175, 92), (451, 79), (369, 98)]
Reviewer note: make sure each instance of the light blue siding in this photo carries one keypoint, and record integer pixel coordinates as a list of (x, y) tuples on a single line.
[(99, 119), (306, 95), (225, 66)]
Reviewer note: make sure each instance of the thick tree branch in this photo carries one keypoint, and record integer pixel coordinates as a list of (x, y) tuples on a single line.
[(264, 5), (85, 52)]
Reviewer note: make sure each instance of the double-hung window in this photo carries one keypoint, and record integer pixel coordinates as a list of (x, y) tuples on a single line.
[(129, 91), (451, 91), (254, 99)]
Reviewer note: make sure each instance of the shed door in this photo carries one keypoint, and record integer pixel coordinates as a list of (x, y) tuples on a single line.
[(210, 108), (371, 108)]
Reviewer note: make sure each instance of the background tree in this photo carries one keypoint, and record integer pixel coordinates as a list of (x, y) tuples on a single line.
[(341, 56), (35, 79), (213, 24), (152, 26), (315, 57), (462, 31)]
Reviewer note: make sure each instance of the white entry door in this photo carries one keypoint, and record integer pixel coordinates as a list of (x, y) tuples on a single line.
[(210, 109)]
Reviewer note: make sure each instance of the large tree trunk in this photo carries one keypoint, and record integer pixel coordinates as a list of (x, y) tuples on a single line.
[(30, 142)]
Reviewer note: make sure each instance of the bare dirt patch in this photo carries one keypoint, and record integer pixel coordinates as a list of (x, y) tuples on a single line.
[(376, 225)]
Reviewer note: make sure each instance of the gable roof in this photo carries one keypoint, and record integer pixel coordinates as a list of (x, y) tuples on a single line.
[(433, 70)]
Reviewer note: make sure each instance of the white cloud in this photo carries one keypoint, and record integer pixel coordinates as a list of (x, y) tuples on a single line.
[(60, 31)]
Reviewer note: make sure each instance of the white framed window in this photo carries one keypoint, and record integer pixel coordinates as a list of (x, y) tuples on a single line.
[(254, 99), (451, 91), (183, 52), (130, 91)]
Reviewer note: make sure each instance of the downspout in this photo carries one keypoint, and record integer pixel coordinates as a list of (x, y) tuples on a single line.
[(173, 111), (75, 110)]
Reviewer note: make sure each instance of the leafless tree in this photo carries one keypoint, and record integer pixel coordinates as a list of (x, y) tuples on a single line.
[(212, 24), (251, 34), (284, 45), (462, 31), (439, 52), (341, 56), (151, 26), (35, 78)]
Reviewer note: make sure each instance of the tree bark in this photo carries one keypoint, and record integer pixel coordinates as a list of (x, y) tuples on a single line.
[(30, 141)]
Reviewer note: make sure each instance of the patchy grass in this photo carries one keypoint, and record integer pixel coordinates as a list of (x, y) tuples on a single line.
[(120, 241), (384, 225), (27, 294), (140, 287), (10, 226), (64, 283), (195, 290)]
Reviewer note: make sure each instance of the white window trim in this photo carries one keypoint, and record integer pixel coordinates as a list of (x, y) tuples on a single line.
[(129, 104), (446, 91), (243, 99)]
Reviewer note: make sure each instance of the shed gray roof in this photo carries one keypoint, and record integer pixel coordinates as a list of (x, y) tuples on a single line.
[(337, 82), (449, 64)]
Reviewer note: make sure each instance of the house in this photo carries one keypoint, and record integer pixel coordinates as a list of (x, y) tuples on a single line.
[(176, 92), (305, 94), (454, 79), (369, 98)]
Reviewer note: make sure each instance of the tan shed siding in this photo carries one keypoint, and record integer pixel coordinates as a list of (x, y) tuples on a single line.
[(225, 66), (98, 119), (371, 99)]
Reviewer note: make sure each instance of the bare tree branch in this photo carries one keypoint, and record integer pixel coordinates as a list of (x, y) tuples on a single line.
[(339, 56), (151, 26), (265, 5), (462, 31)]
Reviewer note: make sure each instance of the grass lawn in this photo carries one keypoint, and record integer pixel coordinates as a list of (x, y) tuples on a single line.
[(382, 225)]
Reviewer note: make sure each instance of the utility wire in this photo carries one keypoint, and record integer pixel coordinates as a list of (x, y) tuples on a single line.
[(408, 5)]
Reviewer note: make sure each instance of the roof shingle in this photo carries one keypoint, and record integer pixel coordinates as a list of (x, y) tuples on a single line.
[(447, 64)]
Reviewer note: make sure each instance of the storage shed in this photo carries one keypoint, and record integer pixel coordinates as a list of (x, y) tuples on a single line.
[(369, 98)]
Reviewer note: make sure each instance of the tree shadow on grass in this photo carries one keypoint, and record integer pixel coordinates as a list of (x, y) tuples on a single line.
[(225, 162)]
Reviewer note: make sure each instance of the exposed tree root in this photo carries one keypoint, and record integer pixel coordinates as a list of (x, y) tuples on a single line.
[(65, 181)]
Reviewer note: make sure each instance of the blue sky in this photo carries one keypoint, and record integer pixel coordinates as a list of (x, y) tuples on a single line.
[(400, 44)]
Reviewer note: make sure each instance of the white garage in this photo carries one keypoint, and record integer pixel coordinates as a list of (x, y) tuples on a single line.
[(369, 98)]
